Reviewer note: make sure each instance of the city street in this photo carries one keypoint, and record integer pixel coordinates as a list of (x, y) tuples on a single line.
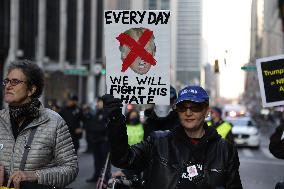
[(85, 172), (154, 56), (259, 169)]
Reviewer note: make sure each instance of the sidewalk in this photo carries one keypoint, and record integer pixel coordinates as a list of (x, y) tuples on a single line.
[(85, 172), (86, 168)]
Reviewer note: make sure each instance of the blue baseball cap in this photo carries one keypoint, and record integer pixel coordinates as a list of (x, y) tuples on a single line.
[(192, 93)]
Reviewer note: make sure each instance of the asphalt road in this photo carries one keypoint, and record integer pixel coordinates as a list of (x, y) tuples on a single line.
[(259, 169), (85, 172)]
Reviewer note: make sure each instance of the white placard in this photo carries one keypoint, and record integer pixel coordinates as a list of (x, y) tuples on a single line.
[(137, 47)]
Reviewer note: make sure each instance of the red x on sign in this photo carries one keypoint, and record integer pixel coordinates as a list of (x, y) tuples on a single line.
[(136, 49)]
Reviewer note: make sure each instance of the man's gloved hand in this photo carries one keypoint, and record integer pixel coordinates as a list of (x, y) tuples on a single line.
[(112, 107)]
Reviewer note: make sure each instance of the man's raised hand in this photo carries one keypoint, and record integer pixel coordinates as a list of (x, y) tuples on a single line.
[(112, 107)]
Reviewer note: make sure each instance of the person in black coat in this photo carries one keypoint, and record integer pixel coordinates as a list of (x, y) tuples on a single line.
[(73, 117), (88, 124), (192, 155), (100, 141), (276, 146), (161, 117)]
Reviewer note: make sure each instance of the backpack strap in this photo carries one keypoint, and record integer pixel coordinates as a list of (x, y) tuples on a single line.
[(27, 148)]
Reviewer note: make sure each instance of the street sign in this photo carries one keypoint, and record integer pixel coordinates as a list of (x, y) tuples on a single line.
[(249, 68), (76, 71)]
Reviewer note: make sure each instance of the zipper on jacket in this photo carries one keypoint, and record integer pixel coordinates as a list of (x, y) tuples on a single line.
[(13, 152)]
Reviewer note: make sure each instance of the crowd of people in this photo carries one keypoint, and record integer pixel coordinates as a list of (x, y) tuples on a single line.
[(176, 145), (162, 139)]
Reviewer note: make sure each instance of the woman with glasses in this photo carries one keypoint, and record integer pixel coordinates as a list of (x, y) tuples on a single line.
[(35, 144), (192, 155)]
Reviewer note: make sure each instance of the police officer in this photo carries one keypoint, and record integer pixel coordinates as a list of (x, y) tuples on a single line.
[(73, 117), (223, 128), (135, 130), (276, 145)]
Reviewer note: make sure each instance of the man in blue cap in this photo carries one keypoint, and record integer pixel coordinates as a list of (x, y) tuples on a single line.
[(192, 155)]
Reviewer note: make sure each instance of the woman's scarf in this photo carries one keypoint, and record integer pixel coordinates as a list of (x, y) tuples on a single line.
[(30, 109)]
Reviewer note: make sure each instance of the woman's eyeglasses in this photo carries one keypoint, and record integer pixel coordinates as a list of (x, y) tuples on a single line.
[(12, 82), (193, 108)]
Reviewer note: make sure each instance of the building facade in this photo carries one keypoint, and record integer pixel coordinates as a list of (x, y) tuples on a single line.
[(266, 40), (186, 42), (56, 34), (189, 42)]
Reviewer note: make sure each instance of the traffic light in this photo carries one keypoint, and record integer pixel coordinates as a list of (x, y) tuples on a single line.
[(103, 72), (216, 66)]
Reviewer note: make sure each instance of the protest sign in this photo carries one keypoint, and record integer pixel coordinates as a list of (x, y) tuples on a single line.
[(137, 49), (270, 72)]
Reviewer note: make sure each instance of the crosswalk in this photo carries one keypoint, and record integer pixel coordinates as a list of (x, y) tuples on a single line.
[(262, 152), (252, 153), (246, 152), (260, 156)]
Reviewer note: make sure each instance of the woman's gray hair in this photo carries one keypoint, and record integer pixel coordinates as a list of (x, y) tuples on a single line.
[(33, 73)]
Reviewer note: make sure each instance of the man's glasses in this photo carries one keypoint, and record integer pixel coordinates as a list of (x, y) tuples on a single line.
[(12, 82), (193, 108)]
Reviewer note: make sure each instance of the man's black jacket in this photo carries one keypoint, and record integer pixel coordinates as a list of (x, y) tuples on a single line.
[(164, 155), (276, 145), (73, 117), (99, 130)]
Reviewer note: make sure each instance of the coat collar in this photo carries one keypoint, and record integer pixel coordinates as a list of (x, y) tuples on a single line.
[(5, 118)]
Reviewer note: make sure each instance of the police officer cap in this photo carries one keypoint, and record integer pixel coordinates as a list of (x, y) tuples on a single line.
[(217, 110), (173, 93), (73, 97)]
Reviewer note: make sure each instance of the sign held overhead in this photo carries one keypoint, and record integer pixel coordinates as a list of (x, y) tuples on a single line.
[(270, 72), (138, 56)]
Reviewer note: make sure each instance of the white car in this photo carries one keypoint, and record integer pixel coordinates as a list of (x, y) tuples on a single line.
[(245, 132), (234, 110)]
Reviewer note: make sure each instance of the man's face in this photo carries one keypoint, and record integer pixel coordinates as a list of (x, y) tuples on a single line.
[(139, 66), (192, 115), (100, 104), (71, 103), (215, 115)]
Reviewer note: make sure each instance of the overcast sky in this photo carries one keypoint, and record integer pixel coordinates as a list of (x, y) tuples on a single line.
[(226, 27)]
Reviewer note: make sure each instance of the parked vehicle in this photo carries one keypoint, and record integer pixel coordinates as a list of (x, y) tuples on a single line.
[(234, 110), (245, 132)]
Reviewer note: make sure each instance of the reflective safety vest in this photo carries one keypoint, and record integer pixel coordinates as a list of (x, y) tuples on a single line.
[(135, 133), (223, 129)]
